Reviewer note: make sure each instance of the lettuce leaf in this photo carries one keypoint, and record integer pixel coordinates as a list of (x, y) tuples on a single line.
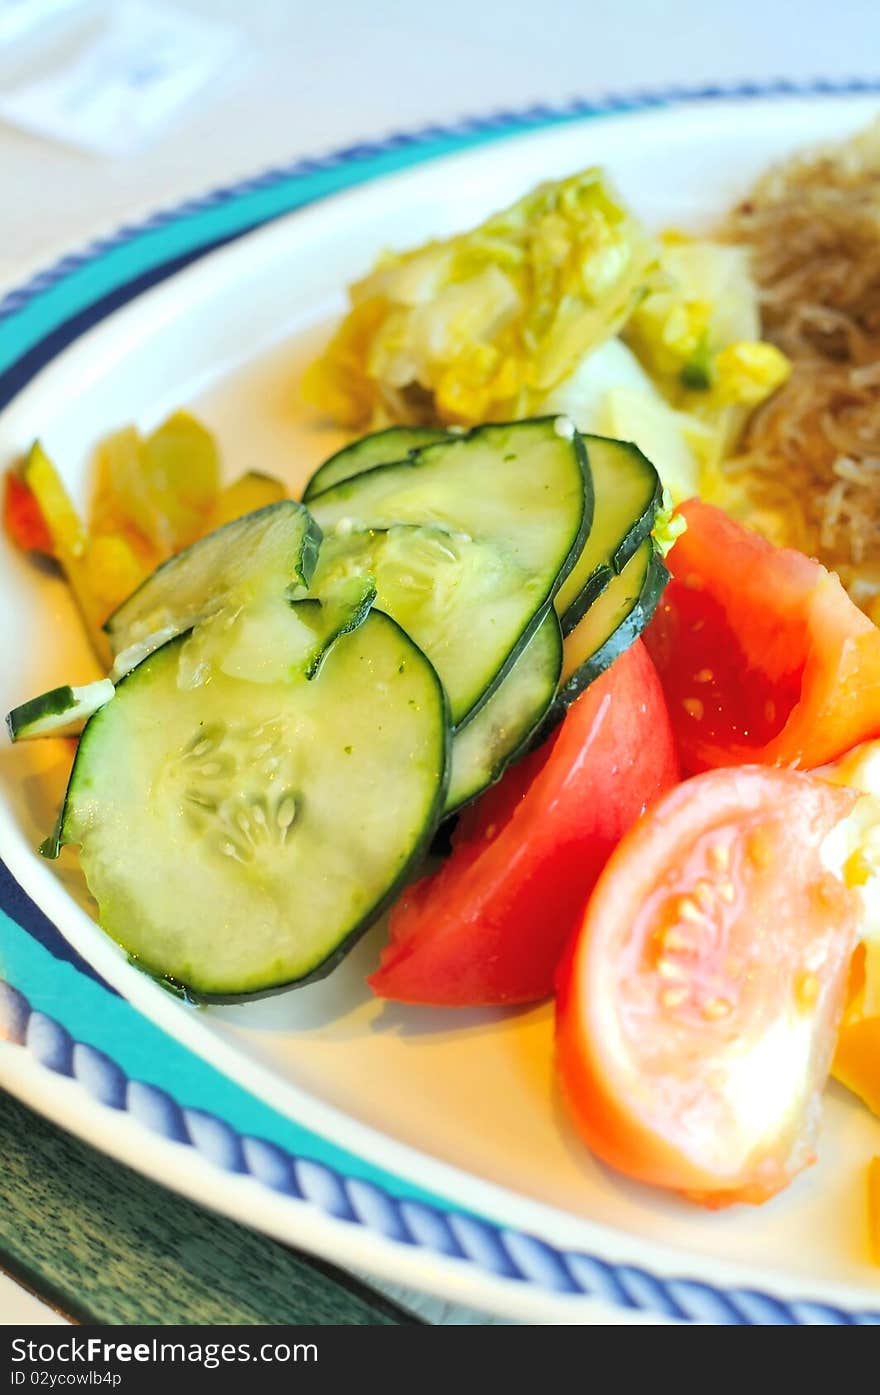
[(484, 325)]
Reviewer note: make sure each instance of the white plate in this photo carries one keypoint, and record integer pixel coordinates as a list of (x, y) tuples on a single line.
[(457, 1111)]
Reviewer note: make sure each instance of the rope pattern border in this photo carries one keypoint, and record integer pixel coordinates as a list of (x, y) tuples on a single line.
[(497, 1250)]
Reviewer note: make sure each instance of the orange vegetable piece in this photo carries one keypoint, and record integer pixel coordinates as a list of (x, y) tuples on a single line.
[(857, 1060)]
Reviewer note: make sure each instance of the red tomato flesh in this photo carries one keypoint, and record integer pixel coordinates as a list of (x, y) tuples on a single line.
[(491, 925), (698, 1009), (22, 519), (762, 655)]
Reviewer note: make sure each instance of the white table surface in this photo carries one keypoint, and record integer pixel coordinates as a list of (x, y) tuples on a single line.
[(315, 76)]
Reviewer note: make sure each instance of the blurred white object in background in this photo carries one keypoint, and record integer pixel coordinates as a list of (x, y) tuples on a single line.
[(117, 80), (20, 19)]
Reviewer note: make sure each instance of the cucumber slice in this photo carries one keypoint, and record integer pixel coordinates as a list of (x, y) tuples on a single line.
[(502, 730), (340, 611), (521, 490), (262, 554), (454, 595), (627, 492), (610, 626), (277, 638), (380, 448), (239, 836), (60, 712)]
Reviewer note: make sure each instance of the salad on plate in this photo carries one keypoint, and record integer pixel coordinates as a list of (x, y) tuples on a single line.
[(568, 659)]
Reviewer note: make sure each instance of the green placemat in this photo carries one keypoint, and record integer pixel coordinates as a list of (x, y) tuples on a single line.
[(104, 1245)]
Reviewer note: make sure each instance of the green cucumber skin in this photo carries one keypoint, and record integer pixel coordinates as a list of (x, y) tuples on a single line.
[(75, 705), (50, 848), (357, 618), (640, 529), (303, 569), (308, 558), (598, 582), (525, 743), (51, 704), (625, 550), (525, 637), (627, 632), (335, 956), (328, 474), (580, 452)]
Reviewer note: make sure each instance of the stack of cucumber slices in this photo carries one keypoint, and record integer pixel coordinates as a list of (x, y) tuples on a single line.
[(300, 698)]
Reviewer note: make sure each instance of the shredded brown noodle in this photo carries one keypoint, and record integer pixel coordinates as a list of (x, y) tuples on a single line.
[(812, 452)]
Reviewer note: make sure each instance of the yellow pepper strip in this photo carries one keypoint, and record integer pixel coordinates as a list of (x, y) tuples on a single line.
[(250, 491), (114, 569), (180, 471), (69, 541), (156, 492), (874, 1208)]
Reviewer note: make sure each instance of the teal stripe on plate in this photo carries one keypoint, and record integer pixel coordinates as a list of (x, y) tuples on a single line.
[(145, 1053), (160, 240)]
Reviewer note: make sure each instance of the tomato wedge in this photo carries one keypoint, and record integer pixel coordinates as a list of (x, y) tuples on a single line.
[(697, 1012), (762, 655), (490, 926)]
